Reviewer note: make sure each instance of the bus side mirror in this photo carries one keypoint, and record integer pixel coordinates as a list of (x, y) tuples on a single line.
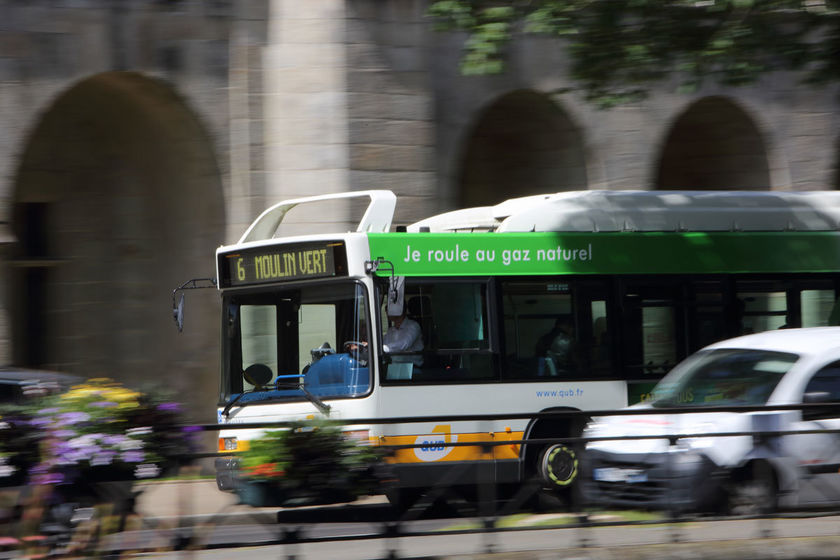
[(258, 375), (178, 302), (178, 313)]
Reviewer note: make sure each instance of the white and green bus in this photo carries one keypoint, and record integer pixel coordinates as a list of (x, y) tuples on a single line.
[(637, 279)]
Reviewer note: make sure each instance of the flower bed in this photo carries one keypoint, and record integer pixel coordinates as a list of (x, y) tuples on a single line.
[(96, 431), (309, 463)]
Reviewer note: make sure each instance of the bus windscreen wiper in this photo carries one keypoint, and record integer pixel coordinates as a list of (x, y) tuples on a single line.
[(280, 385), (228, 406), (258, 375), (319, 404)]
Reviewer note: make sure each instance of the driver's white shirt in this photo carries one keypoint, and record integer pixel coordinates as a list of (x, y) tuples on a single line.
[(405, 338)]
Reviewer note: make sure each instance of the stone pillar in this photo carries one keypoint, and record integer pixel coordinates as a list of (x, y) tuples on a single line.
[(391, 110), (305, 106)]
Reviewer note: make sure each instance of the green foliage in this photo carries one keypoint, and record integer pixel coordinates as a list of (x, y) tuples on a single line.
[(312, 458), (619, 48)]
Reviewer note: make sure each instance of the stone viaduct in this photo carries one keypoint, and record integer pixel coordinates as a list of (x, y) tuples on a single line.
[(138, 135)]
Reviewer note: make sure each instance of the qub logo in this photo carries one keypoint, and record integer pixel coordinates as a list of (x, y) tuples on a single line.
[(433, 447)]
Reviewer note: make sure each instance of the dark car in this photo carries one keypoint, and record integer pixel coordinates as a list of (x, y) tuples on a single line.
[(19, 384)]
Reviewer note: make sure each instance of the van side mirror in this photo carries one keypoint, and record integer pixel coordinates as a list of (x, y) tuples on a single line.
[(816, 397), (816, 413)]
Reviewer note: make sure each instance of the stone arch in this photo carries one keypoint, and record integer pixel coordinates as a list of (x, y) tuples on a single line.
[(522, 144), (118, 200), (714, 145)]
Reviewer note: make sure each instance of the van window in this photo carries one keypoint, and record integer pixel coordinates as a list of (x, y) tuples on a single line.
[(725, 377), (826, 380)]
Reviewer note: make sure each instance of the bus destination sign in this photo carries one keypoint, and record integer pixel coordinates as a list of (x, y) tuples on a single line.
[(283, 263)]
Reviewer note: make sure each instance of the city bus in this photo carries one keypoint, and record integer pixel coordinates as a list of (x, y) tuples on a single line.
[(636, 280)]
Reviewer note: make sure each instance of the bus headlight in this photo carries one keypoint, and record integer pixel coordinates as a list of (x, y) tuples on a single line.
[(228, 444), (358, 436)]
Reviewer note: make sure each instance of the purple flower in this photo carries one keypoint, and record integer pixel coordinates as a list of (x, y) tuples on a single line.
[(116, 440), (104, 404), (41, 422), (103, 458), (133, 456), (169, 406), (73, 417), (60, 448), (48, 478)]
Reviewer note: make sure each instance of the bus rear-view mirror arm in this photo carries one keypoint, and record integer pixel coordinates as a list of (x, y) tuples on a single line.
[(178, 302)]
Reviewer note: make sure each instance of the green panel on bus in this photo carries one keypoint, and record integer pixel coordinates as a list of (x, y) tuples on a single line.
[(478, 254), (283, 263)]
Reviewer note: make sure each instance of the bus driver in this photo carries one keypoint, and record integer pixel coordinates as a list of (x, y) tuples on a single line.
[(404, 335)]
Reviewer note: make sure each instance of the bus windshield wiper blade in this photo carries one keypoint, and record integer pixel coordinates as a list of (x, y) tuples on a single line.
[(228, 406), (319, 404), (279, 385)]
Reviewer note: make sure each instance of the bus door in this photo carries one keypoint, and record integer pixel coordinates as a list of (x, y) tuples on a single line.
[(651, 342), (708, 317), (595, 328)]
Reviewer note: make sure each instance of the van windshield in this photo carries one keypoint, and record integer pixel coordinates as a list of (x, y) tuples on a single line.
[(726, 377)]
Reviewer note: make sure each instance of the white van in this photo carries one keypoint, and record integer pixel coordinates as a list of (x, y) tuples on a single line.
[(741, 474)]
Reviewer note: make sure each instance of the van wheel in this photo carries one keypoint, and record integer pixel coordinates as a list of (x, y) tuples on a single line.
[(753, 491)]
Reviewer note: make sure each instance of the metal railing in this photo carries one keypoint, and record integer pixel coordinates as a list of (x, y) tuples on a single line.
[(485, 516)]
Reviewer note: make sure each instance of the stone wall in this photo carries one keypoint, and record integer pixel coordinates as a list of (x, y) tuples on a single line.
[(139, 135)]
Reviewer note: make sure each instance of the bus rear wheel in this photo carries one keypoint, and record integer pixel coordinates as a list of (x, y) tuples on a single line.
[(558, 466)]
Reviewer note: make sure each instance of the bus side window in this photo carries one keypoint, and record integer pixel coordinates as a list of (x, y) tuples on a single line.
[(541, 334), (452, 316), (819, 308), (764, 306), (419, 309)]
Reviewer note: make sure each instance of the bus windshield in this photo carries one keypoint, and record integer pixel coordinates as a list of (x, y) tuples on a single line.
[(312, 339)]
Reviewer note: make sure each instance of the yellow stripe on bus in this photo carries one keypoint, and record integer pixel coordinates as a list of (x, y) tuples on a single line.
[(435, 447)]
